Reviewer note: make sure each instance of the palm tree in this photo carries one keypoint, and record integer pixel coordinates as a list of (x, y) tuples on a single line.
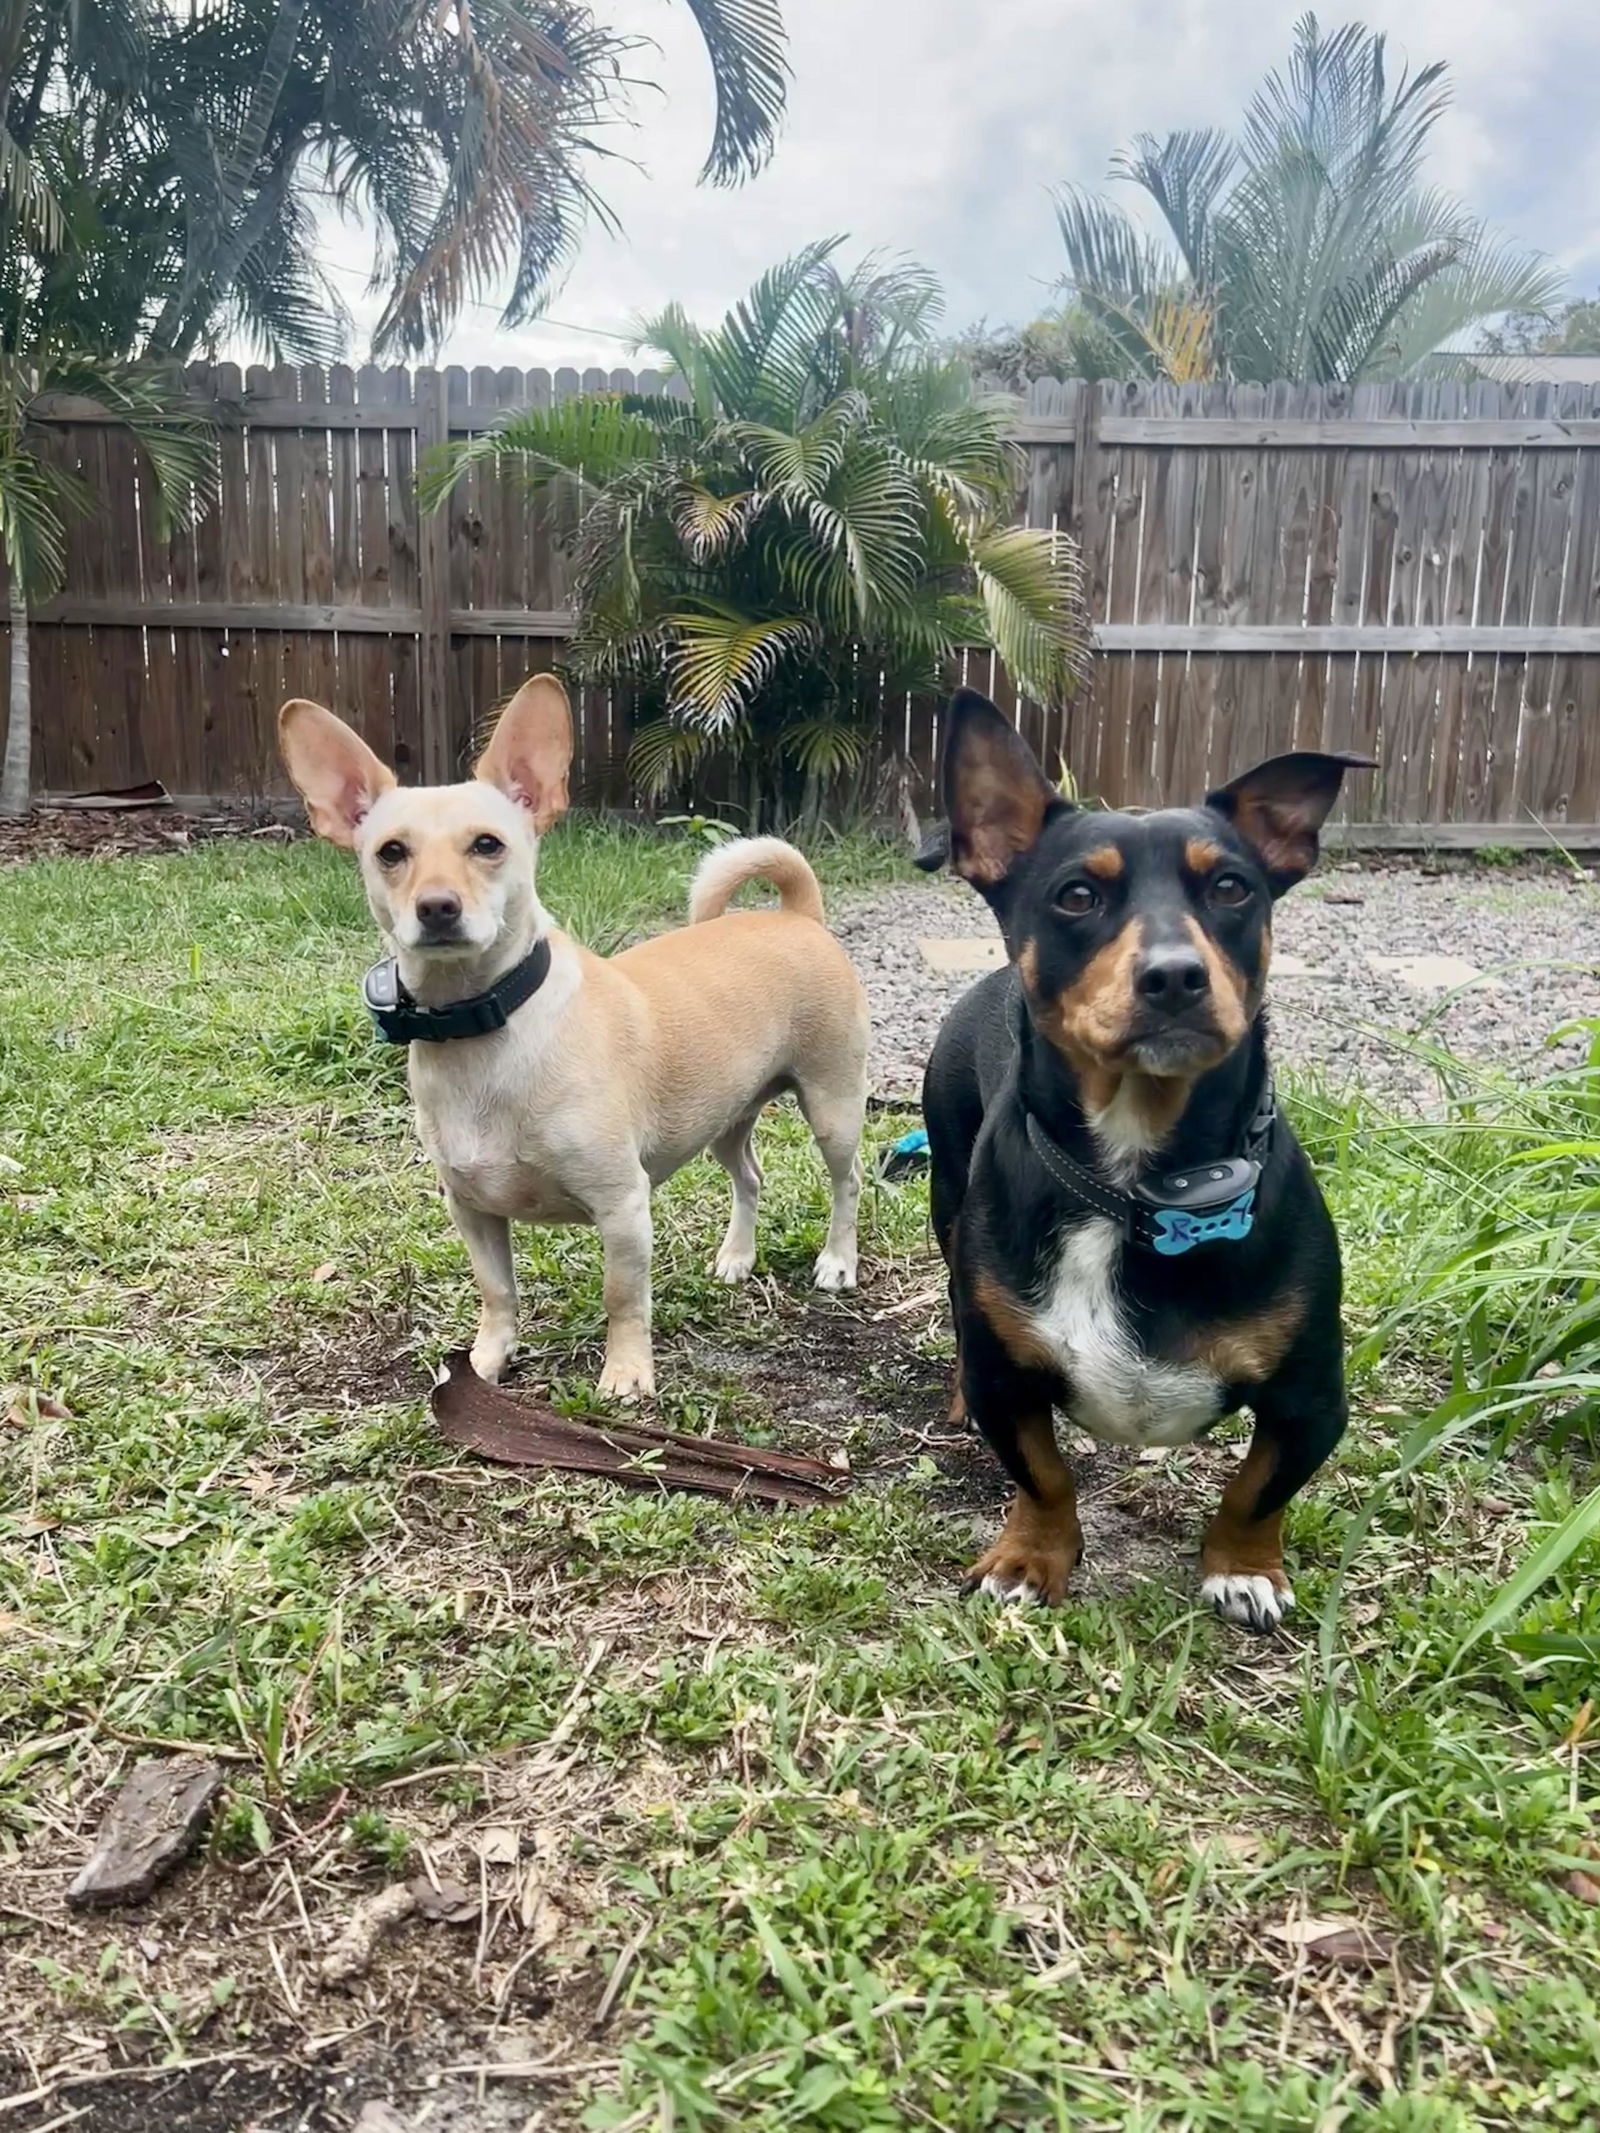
[(1305, 248), (199, 144), (814, 515), (37, 494), (27, 203)]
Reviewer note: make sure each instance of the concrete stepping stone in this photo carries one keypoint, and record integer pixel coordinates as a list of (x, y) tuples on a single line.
[(1427, 973), (952, 958)]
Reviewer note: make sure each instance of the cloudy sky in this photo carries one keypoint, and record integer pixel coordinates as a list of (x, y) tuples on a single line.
[(937, 127)]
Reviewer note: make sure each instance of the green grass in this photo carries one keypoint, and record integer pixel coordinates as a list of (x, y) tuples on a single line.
[(884, 1858)]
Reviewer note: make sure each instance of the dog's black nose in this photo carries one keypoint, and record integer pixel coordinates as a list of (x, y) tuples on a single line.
[(438, 909), (1172, 979)]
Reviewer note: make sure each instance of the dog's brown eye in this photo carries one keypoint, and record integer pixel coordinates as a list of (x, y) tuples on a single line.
[(1230, 889), (487, 847), (392, 853), (1078, 899)]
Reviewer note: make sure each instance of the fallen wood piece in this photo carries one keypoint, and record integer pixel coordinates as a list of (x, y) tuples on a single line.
[(152, 1826), (497, 1425), (150, 794)]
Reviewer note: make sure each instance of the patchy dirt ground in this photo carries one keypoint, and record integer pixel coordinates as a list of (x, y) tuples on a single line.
[(494, 2018)]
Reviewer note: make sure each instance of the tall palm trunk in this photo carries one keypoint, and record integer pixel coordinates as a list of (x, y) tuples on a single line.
[(16, 774)]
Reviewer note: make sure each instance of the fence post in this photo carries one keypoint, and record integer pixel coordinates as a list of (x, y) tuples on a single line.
[(1084, 443), (433, 559)]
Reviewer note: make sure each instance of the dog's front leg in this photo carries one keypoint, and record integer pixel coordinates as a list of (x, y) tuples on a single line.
[(488, 1242), (624, 1226), (1041, 1542), (1241, 1557)]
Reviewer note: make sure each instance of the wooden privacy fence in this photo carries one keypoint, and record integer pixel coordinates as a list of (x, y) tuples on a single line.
[(1409, 570)]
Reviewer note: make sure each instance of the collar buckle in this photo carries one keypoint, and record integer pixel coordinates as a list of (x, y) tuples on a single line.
[(1170, 1212), (399, 1020), (1197, 1190), (387, 1001)]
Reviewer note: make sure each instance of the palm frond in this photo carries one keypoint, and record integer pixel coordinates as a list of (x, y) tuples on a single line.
[(673, 334), (34, 502), (1180, 330), (1108, 257), (177, 442), (746, 44), (952, 440), (282, 302), (799, 464), (611, 645), (1355, 324), (663, 753), (709, 525), (824, 747), (1486, 279), (887, 306), (869, 516), (1185, 175), (27, 200), (720, 659), (517, 100), (1029, 584), (762, 358), (587, 439)]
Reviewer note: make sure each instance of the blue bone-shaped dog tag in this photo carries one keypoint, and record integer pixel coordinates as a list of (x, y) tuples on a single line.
[(1176, 1231)]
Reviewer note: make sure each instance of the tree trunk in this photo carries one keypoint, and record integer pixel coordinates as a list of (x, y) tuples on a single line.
[(17, 775)]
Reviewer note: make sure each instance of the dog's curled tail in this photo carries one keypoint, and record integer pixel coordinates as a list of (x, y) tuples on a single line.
[(722, 873)]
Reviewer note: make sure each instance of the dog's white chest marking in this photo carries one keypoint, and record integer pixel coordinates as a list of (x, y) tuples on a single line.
[(491, 1145), (1116, 1391)]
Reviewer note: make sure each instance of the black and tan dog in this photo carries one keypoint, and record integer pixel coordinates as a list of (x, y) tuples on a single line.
[(1133, 1233)]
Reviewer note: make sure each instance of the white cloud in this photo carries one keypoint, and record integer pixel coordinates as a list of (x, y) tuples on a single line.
[(937, 129)]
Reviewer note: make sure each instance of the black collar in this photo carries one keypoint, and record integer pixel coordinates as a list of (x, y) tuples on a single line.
[(399, 1020), (1170, 1211)]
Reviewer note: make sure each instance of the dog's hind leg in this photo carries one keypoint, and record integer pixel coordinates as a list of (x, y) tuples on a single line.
[(488, 1242), (836, 1117), (737, 1257), (949, 1160)]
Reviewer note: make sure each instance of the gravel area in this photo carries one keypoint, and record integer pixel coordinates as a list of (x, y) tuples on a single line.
[(1532, 938)]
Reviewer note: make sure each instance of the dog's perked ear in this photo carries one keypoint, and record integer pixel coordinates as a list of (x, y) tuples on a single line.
[(530, 750), (334, 771), (1279, 807), (995, 794)]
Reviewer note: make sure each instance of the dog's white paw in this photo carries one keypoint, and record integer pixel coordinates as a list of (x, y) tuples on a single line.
[(734, 1266), (1013, 1592), (835, 1271), (1254, 1603), (628, 1378), (489, 1358)]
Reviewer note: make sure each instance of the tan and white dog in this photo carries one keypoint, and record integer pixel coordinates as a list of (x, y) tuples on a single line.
[(610, 1075)]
